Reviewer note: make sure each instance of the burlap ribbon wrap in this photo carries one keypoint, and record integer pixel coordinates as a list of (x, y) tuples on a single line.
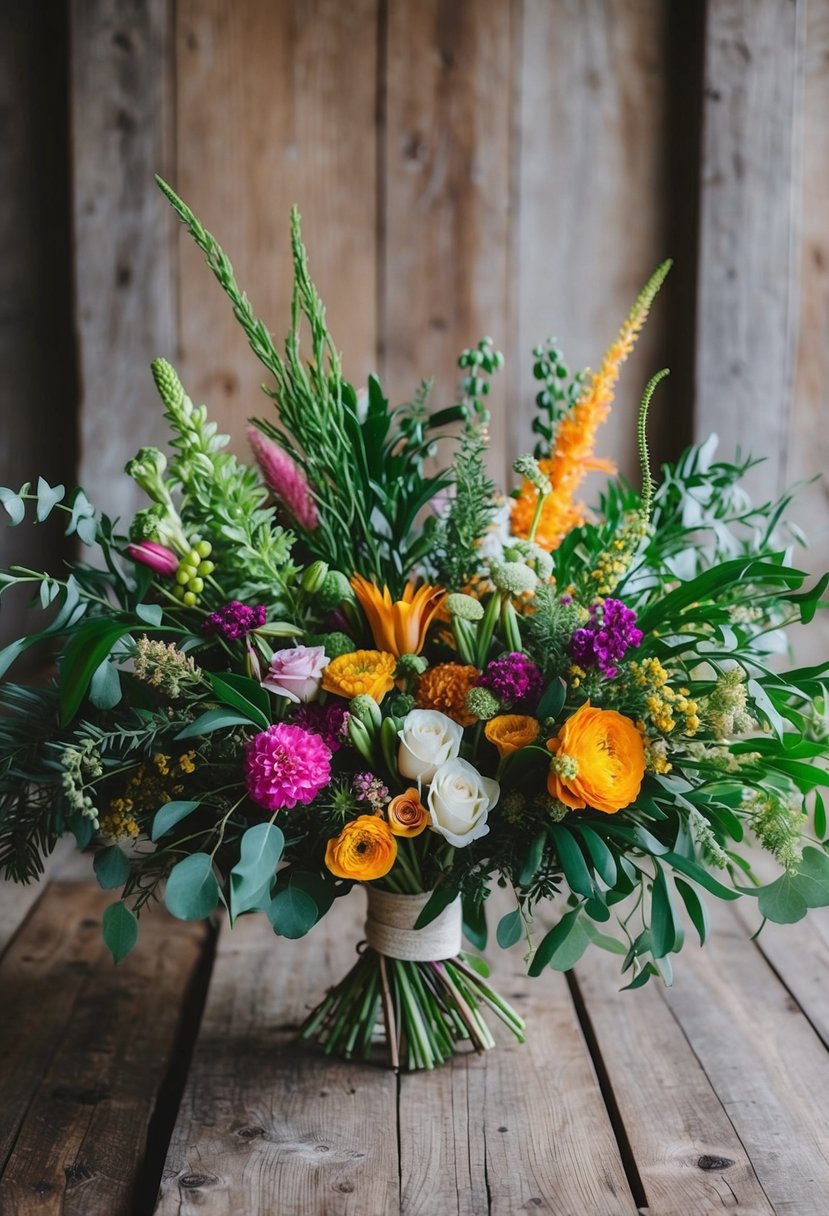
[(390, 927)]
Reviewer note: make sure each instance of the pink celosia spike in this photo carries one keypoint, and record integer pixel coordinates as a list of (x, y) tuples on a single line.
[(284, 479)]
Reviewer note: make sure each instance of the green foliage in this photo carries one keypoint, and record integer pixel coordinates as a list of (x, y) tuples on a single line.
[(557, 395), (192, 891), (457, 535), (120, 930), (251, 878)]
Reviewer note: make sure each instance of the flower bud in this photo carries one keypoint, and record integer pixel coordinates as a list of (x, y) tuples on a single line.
[(314, 577), (159, 558), (335, 589), (465, 607), (366, 709), (410, 665)]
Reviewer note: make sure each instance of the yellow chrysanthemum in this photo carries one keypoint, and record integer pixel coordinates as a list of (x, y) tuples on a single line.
[(444, 687), (369, 672), (572, 455)]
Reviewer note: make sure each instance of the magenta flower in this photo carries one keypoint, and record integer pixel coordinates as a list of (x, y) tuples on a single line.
[(296, 672), (284, 479), (235, 620), (515, 680), (330, 721), (286, 766), (604, 640), (158, 557)]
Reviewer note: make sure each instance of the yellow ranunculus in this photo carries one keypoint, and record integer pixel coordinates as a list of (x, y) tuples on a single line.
[(361, 671), (599, 761), (364, 850), (509, 732), (406, 814)]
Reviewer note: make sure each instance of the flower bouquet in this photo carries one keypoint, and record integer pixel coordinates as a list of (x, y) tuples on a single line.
[(356, 662)]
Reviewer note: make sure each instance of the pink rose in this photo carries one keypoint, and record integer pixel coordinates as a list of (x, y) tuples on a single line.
[(296, 673)]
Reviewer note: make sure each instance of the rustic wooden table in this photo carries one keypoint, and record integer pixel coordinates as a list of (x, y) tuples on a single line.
[(174, 1084)]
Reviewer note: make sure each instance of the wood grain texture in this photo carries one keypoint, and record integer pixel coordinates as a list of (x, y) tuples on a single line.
[(674, 1121), (17, 900), (763, 1059), (84, 1048), (266, 1125), (746, 303), (520, 1128), (591, 209), (808, 451), (121, 63), (446, 188), (275, 106), (37, 387)]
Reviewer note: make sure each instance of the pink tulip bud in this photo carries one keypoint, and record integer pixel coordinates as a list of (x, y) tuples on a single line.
[(158, 557)]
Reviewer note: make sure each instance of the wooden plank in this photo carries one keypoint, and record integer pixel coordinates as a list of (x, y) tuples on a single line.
[(746, 308), (763, 1059), (84, 1049), (688, 1155), (17, 899), (125, 306), (519, 1128), (446, 185), (808, 453), (275, 106), (267, 1125), (592, 207), (37, 388)]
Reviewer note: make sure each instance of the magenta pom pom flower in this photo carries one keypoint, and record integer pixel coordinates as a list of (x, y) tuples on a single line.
[(286, 766), (235, 620), (284, 479), (515, 680)]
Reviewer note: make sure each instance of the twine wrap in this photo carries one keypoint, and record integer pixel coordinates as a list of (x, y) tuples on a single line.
[(390, 927)]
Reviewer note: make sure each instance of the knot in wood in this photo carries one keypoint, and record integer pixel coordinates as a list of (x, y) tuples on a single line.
[(710, 1162), (192, 1182)]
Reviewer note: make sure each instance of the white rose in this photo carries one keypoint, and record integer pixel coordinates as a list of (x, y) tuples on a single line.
[(460, 800), (427, 740)]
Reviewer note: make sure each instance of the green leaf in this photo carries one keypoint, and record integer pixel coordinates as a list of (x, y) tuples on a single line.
[(244, 695), (150, 613), (14, 505), (192, 891), (820, 817), (812, 877), (781, 901), (111, 868), (641, 979), (167, 816), (105, 687), (120, 930), (250, 879), (321, 888), (563, 946), (532, 861), (695, 908), (601, 855), (603, 940), (666, 930), (213, 719), (440, 898), (474, 922), (292, 912), (86, 650), (552, 701), (572, 861), (47, 498), (692, 870), (510, 929)]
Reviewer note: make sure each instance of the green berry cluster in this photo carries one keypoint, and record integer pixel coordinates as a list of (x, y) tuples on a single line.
[(555, 396), (193, 570)]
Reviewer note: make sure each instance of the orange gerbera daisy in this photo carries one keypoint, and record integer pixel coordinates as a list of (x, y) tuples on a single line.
[(398, 626), (572, 455)]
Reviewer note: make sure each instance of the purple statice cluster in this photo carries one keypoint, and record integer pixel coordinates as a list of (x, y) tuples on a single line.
[(604, 640), (515, 680), (329, 721), (235, 620), (370, 789)]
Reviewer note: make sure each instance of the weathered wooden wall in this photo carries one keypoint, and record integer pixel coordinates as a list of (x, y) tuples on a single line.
[(510, 167)]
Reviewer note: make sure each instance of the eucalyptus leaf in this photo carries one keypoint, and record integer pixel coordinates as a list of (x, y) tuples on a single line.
[(509, 930), (112, 869), (120, 930), (167, 816), (250, 879), (292, 912), (192, 891)]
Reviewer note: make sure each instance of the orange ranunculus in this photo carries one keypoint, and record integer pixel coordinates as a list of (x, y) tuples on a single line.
[(360, 671), (599, 761), (444, 687), (398, 626), (509, 732), (407, 815), (364, 850)]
